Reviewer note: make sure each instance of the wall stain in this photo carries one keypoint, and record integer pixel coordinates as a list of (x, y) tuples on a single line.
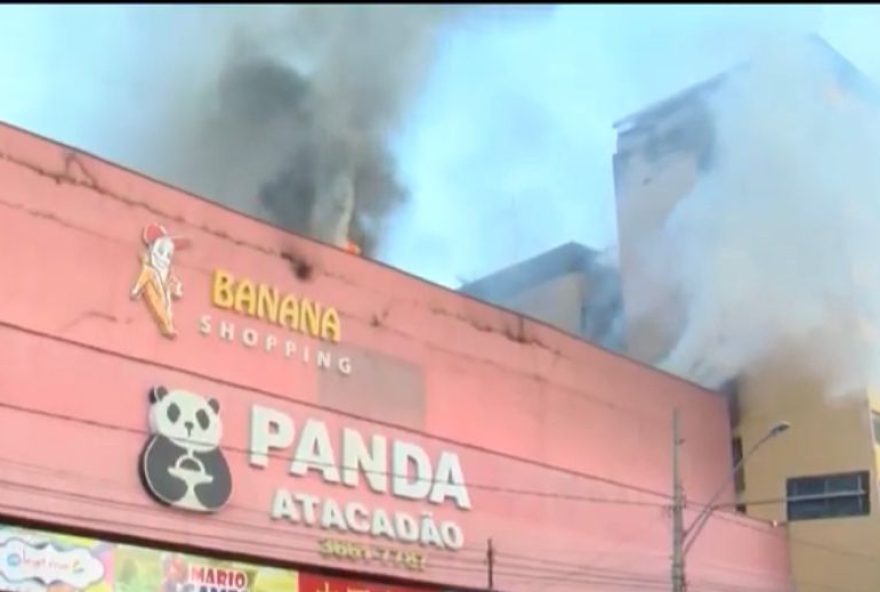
[(377, 320), (92, 314), (515, 333), (75, 173), (302, 269), (87, 180), (44, 215)]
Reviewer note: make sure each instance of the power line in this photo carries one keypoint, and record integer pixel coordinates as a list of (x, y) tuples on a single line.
[(335, 411), (284, 548), (513, 570), (800, 541), (526, 563), (502, 562), (246, 526), (286, 458), (497, 489), (150, 509)]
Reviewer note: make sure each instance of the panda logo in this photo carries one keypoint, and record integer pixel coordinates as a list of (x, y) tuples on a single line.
[(181, 464)]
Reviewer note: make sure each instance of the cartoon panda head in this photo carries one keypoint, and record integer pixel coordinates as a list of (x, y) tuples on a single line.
[(189, 420)]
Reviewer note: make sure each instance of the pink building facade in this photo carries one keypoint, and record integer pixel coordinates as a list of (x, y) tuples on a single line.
[(313, 408)]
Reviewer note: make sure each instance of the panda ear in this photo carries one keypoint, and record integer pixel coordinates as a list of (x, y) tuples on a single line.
[(214, 404), (157, 393)]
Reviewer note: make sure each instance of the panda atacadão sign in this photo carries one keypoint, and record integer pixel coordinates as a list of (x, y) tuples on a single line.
[(183, 465)]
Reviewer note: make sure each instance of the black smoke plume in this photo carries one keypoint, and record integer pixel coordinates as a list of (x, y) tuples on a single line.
[(295, 124)]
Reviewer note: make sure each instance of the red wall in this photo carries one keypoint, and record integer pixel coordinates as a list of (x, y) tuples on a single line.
[(531, 412)]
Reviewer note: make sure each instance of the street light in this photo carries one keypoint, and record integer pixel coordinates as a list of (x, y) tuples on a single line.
[(683, 538), (691, 532)]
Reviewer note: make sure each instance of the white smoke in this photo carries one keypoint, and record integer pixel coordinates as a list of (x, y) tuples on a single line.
[(776, 246)]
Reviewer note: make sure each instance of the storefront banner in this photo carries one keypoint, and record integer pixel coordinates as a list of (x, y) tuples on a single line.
[(35, 561), (147, 570), (317, 583)]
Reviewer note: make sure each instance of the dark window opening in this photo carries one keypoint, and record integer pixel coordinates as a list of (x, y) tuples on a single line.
[(828, 496), (739, 478), (730, 390)]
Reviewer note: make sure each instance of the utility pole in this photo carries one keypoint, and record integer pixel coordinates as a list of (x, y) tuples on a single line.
[(490, 560), (683, 538), (678, 581)]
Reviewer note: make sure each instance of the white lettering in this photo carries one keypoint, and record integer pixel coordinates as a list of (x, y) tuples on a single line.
[(452, 535), (413, 478), (328, 514), (374, 463), (308, 505), (271, 342), (249, 337), (269, 429), (449, 482), (382, 525), (227, 331), (407, 527), (428, 533), (205, 324), (331, 516), (357, 517), (314, 452), (405, 454), (283, 506)]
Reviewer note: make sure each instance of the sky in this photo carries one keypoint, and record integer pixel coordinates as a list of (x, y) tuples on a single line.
[(506, 149)]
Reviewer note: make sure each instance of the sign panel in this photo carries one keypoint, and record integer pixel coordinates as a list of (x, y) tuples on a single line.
[(317, 583), (257, 315), (148, 570), (183, 465), (34, 561)]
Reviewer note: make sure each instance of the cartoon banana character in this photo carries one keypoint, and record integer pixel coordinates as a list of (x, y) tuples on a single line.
[(156, 282)]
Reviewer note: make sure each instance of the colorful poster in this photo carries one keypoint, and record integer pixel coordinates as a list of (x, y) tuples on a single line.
[(146, 570), (35, 561)]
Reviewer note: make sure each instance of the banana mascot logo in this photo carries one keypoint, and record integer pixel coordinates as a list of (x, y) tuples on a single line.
[(157, 284)]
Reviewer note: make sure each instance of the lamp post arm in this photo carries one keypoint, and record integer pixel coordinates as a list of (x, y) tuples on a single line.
[(691, 532)]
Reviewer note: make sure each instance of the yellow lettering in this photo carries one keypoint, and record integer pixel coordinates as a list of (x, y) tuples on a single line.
[(310, 319), (267, 303), (221, 292), (325, 547), (289, 315), (246, 298), (330, 326)]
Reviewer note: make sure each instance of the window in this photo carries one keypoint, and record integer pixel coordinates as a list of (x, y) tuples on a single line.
[(875, 420), (828, 496), (730, 390), (740, 476)]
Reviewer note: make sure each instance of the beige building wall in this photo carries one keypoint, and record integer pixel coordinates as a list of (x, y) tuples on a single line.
[(659, 159), (569, 287), (827, 437), (556, 302)]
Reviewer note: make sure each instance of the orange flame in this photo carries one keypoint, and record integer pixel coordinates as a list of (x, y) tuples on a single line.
[(352, 247)]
